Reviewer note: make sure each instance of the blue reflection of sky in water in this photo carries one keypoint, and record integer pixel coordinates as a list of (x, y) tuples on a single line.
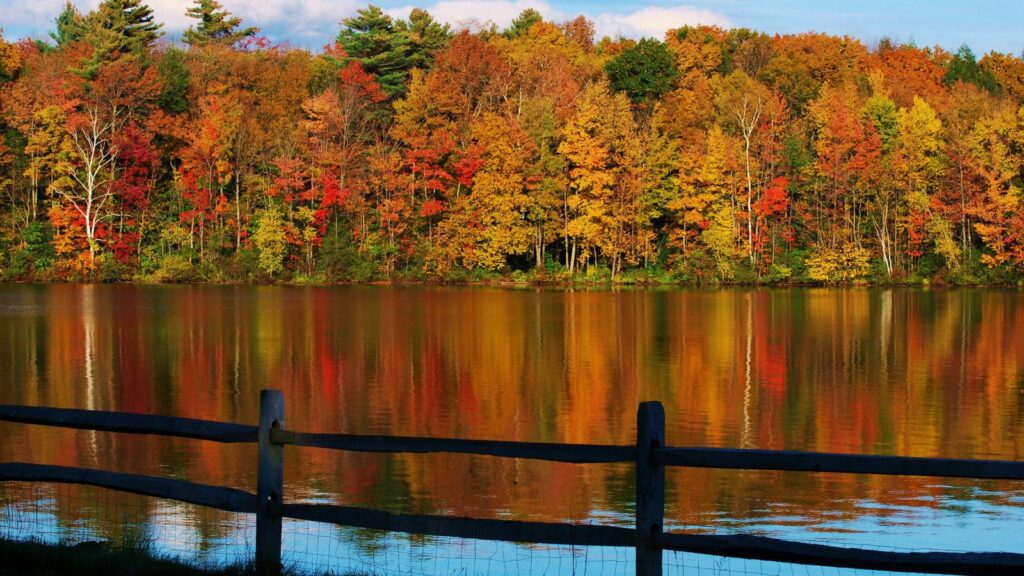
[(914, 523)]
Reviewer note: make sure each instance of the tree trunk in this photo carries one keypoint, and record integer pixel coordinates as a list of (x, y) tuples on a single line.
[(572, 258), (750, 200), (238, 214), (539, 247)]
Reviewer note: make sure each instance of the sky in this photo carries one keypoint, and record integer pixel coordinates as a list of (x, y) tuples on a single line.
[(985, 25)]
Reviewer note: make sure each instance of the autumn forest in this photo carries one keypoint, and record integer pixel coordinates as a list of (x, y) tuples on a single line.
[(411, 150)]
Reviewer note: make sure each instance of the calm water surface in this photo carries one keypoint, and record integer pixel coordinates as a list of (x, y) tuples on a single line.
[(912, 372)]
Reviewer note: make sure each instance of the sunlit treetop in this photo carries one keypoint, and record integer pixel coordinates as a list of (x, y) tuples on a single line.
[(10, 60)]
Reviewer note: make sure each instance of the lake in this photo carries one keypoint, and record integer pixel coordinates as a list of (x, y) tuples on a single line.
[(915, 371)]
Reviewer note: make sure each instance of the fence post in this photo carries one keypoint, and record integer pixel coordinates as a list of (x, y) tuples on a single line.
[(269, 486), (650, 488)]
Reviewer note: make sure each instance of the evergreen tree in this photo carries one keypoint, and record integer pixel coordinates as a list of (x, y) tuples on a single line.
[(174, 81), (118, 28), (644, 72), (426, 37), (371, 38), (215, 25), (526, 19), (126, 25), (70, 24), (964, 67)]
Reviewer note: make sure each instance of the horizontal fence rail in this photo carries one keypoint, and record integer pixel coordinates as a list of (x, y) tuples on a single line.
[(571, 453), (791, 460), (735, 546), (218, 497), (458, 527), (130, 423), (648, 455), (775, 550)]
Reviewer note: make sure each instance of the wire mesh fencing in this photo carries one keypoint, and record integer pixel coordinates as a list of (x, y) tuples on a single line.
[(71, 514), (312, 547)]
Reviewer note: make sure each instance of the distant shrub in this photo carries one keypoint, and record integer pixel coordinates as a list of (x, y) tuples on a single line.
[(779, 272), (107, 268), (846, 263), (175, 268), (271, 240)]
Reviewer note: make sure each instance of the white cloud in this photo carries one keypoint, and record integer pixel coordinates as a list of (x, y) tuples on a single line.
[(170, 13), (649, 21), (295, 20), (463, 13), (653, 21), (301, 21), (313, 23)]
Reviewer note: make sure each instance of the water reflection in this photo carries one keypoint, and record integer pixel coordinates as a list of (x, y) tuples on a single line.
[(880, 371)]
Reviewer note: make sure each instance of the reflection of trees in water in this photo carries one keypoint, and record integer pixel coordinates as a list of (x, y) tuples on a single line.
[(892, 371)]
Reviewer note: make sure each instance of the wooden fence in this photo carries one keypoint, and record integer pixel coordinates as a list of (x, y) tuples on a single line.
[(649, 454)]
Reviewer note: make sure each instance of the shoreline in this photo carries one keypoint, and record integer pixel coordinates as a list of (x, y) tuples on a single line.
[(546, 284)]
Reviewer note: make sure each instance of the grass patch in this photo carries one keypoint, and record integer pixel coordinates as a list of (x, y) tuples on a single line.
[(33, 558), (25, 558)]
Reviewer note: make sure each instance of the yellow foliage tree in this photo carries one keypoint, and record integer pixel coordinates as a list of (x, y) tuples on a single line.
[(836, 265), (603, 152), (705, 205), (500, 197), (991, 144)]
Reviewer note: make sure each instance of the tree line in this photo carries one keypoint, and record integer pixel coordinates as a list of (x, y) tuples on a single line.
[(408, 150)]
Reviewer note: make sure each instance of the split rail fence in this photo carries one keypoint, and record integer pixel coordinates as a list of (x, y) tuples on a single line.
[(649, 454)]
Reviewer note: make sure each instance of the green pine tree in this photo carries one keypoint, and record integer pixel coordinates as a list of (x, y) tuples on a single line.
[(426, 36), (174, 81), (371, 38), (522, 24), (964, 67), (118, 28), (128, 25), (215, 25), (70, 25)]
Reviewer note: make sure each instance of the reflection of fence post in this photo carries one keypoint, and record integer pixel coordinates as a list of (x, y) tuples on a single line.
[(650, 487), (269, 486)]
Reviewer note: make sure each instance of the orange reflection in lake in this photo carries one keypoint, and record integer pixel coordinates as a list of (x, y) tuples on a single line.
[(878, 371)]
